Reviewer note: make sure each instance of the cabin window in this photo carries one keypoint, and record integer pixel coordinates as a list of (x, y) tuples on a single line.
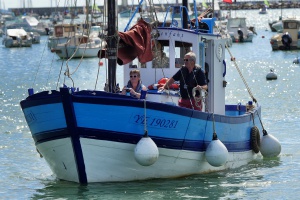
[(70, 29), (237, 23), (290, 25), (83, 40), (161, 55), (59, 31), (181, 48)]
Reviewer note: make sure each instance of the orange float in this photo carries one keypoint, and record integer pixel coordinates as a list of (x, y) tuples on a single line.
[(161, 83)]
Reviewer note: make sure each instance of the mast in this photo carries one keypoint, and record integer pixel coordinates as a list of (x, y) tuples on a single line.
[(213, 8), (184, 16), (111, 45), (281, 10)]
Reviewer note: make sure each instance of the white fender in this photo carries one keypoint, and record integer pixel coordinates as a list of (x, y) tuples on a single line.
[(216, 153), (270, 146), (146, 152)]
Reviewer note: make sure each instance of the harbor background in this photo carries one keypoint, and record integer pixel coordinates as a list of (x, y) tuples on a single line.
[(61, 6), (24, 175)]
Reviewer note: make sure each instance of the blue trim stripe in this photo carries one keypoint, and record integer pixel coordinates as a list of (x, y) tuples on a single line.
[(48, 136), (170, 143), (99, 97)]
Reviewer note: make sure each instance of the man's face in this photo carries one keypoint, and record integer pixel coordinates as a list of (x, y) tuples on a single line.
[(188, 62)]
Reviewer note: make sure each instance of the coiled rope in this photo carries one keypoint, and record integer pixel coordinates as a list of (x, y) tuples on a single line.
[(198, 99)]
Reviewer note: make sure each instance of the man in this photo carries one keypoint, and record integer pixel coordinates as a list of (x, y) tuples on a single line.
[(241, 35), (286, 41), (190, 76)]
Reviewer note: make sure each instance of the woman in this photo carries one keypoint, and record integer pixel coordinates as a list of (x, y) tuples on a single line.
[(134, 86)]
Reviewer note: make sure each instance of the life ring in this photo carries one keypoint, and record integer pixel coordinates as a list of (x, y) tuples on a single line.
[(255, 139), (195, 89), (161, 83)]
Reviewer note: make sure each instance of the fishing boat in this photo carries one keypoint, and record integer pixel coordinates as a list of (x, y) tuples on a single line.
[(17, 38), (79, 46), (94, 135), (289, 39), (238, 30), (61, 34)]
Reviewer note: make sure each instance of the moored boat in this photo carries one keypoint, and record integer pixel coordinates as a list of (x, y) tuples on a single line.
[(79, 46), (238, 30), (61, 34), (263, 10), (102, 136), (17, 38), (289, 39)]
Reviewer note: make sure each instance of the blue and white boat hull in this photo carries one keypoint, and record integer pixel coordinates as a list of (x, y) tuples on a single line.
[(96, 141)]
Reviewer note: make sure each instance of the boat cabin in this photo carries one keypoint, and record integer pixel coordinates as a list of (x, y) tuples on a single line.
[(173, 43)]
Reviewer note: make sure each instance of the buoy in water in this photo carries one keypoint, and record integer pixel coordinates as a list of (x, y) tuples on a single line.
[(271, 75), (216, 153), (146, 152), (269, 146)]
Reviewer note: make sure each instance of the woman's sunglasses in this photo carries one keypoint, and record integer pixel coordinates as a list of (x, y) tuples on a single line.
[(133, 76)]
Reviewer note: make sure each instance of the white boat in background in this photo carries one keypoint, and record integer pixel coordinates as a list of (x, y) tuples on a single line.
[(96, 135), (61, 34), (96, 11), (263, 10), (278, 26), (289, 39), (79, 46), (17, 38), (238, 30), (35, 37), (7, 15), (41, 28), (30, 24)]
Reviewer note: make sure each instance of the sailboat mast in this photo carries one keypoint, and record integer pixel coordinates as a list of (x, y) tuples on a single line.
[(87, 13), (112, 45), (184, 17), (213, 8), (281, 9)]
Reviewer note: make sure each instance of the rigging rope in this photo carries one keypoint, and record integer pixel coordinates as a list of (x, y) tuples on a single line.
[(145, 119), (237, 67), (241, 75)]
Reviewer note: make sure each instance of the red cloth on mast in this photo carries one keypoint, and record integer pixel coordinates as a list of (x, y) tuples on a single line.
[(134, 43), (227, 1)]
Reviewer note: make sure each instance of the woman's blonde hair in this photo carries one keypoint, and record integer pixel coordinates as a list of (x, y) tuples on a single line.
[(135, 71)]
